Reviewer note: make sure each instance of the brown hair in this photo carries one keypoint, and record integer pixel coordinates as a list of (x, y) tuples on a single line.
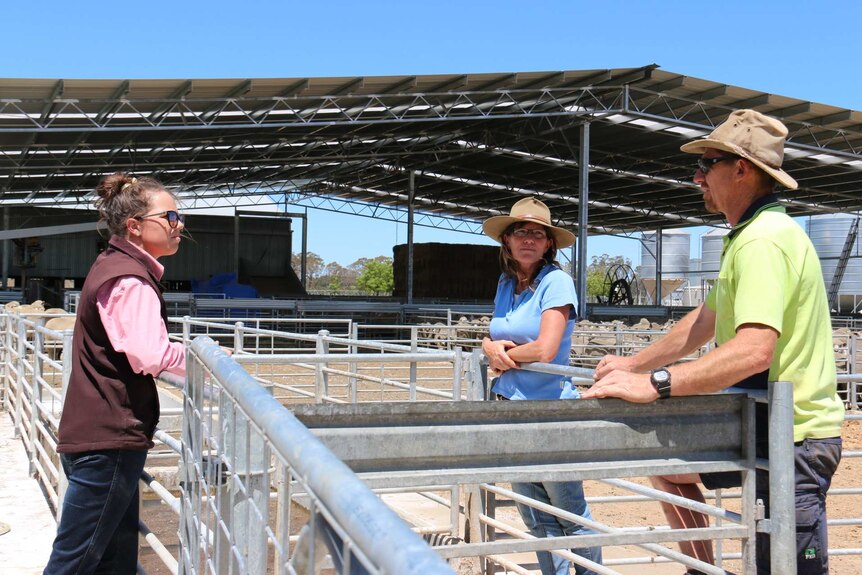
[(121, 197), (509, 266)]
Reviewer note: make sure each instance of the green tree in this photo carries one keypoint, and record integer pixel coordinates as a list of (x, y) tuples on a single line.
[(337, 277), (377, 276), (314, 268), (598, 270)]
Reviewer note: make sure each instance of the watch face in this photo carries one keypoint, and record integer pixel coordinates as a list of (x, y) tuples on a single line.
[(661, 376)]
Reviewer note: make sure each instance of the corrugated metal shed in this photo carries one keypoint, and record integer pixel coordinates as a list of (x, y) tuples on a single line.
[(264, 247)]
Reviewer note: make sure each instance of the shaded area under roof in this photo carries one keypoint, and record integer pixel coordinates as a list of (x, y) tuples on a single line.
[(475, 142)]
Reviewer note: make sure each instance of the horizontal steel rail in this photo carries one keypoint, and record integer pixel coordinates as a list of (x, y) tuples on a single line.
[(393, 443)]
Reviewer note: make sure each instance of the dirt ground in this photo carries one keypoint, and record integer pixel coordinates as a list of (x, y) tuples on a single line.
[(839, 507), (162, 521)]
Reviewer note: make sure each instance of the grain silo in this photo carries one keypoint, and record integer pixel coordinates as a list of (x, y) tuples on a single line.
[(711, 244), (694, 265), (828, 233), (675, 253)]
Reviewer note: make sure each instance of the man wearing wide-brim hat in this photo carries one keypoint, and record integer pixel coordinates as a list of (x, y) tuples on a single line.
[(769, 315)]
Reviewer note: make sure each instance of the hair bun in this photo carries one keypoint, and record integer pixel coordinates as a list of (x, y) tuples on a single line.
[(114, 184)]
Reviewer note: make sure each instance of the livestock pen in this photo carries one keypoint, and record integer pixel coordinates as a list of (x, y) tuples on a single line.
[(396, 386)]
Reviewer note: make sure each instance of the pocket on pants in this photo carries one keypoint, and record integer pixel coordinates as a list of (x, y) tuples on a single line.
[(811, 540)]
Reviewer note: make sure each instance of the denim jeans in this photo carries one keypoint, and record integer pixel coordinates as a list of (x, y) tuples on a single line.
[(98, 531), (568, 496)]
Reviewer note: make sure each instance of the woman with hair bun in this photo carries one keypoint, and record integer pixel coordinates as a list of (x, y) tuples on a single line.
[(534, 316), (111, 408)]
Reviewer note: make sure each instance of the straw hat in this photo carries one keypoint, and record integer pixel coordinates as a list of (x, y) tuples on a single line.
[(527, 210), (753, 136)]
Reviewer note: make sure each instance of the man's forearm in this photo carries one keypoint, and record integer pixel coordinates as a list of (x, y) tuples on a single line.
[(747, 354), (689, 334)]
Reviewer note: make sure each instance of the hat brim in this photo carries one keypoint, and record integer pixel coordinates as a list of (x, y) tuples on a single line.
[(699, 146), (496, 225)]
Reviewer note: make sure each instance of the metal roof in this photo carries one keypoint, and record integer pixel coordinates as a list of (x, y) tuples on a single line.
[(476, 143)]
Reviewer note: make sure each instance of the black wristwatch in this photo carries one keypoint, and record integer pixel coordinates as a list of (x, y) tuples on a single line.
[(660, 379)]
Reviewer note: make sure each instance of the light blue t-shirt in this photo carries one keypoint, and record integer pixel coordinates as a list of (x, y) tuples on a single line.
[(517, 318)]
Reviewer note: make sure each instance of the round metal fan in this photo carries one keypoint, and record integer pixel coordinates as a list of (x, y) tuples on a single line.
[(622, 285)]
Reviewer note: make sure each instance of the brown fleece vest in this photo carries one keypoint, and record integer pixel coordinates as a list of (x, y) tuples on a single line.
[(108, 405)]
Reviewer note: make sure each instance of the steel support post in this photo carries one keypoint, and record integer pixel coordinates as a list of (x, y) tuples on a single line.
[(477, 374), (244, 499), (67, 362), (304, 259), (20, 372), (236, 244), (192, 456), (7, 364), (411, 183), (187, 330), (455, 511), (321, 376), (36, 392), (782, 487), (4, 274), (489, 501), (852, 387), (583, 216), (658, 242), (473, 511), (457, 369), (352, 382), (749, 487), (238, 337), (414, 345), (282, 513)]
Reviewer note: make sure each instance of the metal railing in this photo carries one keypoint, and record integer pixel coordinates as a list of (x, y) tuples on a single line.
[(339, 370), (233, 461), (34, 379)]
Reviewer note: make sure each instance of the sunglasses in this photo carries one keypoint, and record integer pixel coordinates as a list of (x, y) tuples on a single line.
[(173, 217), (706, 164), (523, 234)]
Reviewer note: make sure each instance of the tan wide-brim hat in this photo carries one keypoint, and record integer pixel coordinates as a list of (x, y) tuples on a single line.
[(527, 210), (753, 136)]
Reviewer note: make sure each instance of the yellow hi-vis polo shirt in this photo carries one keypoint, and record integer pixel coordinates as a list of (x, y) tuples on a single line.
[(770, 275)]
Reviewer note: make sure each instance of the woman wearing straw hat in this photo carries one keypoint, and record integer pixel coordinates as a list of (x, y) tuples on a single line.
[(534, 315)]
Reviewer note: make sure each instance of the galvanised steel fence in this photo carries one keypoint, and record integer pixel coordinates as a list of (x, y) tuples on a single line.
[(252, 450), (344, 373)]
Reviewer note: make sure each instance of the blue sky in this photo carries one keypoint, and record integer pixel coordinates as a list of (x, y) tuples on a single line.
[(806, 50)]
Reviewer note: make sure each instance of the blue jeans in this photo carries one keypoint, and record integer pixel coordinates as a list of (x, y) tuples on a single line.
[(568, 496), (98, 531)]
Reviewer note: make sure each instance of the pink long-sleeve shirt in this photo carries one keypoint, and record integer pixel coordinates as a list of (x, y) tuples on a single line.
[(131, 315)]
